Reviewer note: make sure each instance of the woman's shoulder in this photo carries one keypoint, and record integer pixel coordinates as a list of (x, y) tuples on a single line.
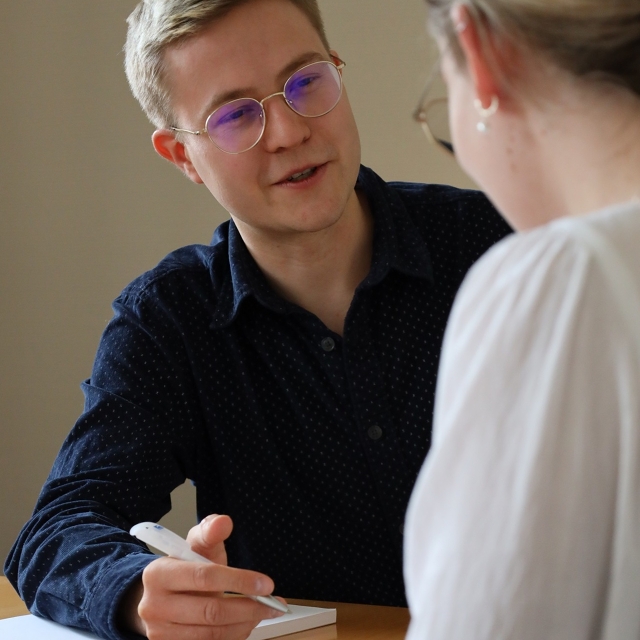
[(560, 255), (539, 288), (523, 267)]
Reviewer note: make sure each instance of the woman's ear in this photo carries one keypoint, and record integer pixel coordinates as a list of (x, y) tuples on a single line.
[(165, 143), (480, 57)]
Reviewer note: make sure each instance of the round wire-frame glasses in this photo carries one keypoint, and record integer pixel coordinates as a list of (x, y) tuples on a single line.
[(312, 91), (430, 109)]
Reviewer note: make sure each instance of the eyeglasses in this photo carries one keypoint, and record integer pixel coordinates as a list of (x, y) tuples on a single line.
[(311, 91), (432, 113)]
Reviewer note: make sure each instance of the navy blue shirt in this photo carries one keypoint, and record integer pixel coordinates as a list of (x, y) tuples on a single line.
[(310, 441)]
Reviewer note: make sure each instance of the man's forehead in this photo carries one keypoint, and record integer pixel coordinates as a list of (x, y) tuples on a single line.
[(240, 53), (253, 20), (256, 32), (221, 97)]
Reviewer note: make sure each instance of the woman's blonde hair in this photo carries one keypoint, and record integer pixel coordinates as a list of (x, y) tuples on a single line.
[(154, 25), (586, 37)]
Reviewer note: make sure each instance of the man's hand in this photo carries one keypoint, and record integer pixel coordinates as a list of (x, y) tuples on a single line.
[(178, 599)]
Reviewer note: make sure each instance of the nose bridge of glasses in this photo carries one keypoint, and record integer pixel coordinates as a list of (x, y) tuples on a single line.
[(273, 95), (284, 126)]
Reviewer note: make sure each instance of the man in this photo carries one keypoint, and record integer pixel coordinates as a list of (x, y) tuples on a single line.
[(288, 369)]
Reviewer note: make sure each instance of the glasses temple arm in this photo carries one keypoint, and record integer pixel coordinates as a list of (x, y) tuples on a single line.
[(195, 133)]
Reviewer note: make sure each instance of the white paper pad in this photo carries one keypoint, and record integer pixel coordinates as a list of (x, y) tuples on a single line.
[(33, 628), (301, 618)]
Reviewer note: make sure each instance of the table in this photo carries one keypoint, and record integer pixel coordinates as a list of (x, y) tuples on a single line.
[(355, 621), (10, 603)]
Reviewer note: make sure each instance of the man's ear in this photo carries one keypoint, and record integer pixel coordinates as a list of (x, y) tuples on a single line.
[(166, 145), (481, 58)]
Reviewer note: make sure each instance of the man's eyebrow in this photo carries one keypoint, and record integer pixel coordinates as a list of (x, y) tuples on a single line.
[(223, 98), (300, 61), (245, 92)]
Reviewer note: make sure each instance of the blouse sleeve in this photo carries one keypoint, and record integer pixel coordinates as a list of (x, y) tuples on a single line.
[(509, 529)]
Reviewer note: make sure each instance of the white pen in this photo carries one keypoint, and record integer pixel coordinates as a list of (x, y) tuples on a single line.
[(173, 545)]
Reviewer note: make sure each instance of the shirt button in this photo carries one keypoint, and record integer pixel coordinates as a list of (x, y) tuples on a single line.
[(375, 432), (328, 344)]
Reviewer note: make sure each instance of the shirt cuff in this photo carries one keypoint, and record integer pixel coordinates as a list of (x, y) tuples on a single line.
[(102, 605)]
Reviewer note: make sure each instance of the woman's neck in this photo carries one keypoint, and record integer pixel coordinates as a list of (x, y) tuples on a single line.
[(589, 144)]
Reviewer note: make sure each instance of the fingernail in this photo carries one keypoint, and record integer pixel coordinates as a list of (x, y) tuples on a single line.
[(264, 585), (273, 613)]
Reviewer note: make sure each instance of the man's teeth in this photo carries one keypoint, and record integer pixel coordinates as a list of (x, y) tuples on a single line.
[(296, 177)]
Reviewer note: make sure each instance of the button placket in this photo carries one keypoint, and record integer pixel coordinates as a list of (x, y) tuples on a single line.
[(369, 396)]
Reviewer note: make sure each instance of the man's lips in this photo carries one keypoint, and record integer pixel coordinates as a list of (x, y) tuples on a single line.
[(298, 173)]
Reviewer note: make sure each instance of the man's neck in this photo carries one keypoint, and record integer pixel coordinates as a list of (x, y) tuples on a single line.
[(319, 271)]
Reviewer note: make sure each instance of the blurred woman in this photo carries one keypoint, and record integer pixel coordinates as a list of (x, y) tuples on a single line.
[(525, 520)]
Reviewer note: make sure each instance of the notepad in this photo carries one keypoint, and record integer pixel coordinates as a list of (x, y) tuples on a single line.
[(30, 627), (300, 619)]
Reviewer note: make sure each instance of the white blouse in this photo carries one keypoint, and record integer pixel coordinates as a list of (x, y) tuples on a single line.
[(525, 519)]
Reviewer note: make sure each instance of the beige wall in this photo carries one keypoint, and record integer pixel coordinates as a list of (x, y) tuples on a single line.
[(85, 205)]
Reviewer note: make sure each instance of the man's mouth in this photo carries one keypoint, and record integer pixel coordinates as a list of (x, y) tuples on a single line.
[(303, 175)]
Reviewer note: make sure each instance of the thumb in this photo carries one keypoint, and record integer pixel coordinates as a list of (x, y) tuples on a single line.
[(207, 538)]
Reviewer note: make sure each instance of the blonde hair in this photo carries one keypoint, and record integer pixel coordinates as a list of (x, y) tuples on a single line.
[(586, 37), (154, 25)]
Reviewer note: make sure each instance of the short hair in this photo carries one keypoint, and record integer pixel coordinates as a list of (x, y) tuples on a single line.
[(599, 38), (154, 25)]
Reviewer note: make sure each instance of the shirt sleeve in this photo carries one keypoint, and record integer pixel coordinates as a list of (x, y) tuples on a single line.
[(134, 444), (510, 525)]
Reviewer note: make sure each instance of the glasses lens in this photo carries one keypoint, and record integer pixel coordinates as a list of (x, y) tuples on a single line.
[(314, 90), (237, 125)]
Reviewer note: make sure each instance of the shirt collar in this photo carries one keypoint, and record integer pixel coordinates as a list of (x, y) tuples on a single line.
[(397, 242), (397, 245), (242, 279)]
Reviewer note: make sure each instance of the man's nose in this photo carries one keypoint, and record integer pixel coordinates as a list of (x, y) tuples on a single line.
[(284, 128)]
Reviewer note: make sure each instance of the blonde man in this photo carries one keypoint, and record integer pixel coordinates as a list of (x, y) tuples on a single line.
[(287, 369)]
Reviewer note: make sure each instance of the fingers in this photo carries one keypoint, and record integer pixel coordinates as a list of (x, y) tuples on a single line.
[(183, 600), (207, 538), (180, 632), (180, 576), (206, 610)]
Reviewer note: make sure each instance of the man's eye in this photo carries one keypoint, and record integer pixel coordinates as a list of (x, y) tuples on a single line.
[(237, 115), (233, 117), (305, 83)]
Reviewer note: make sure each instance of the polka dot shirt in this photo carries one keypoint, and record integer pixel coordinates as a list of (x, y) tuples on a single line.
[(310, 441)]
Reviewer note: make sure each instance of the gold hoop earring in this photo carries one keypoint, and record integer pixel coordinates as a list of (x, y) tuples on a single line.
[(485, 113)]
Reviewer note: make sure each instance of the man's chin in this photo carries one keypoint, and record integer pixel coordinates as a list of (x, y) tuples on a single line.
[(294, 226)]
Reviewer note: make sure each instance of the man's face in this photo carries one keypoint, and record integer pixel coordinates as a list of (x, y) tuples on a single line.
[(251, 52)]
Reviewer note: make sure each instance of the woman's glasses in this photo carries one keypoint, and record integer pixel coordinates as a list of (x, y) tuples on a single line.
[(432, 113), (237, 126)]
